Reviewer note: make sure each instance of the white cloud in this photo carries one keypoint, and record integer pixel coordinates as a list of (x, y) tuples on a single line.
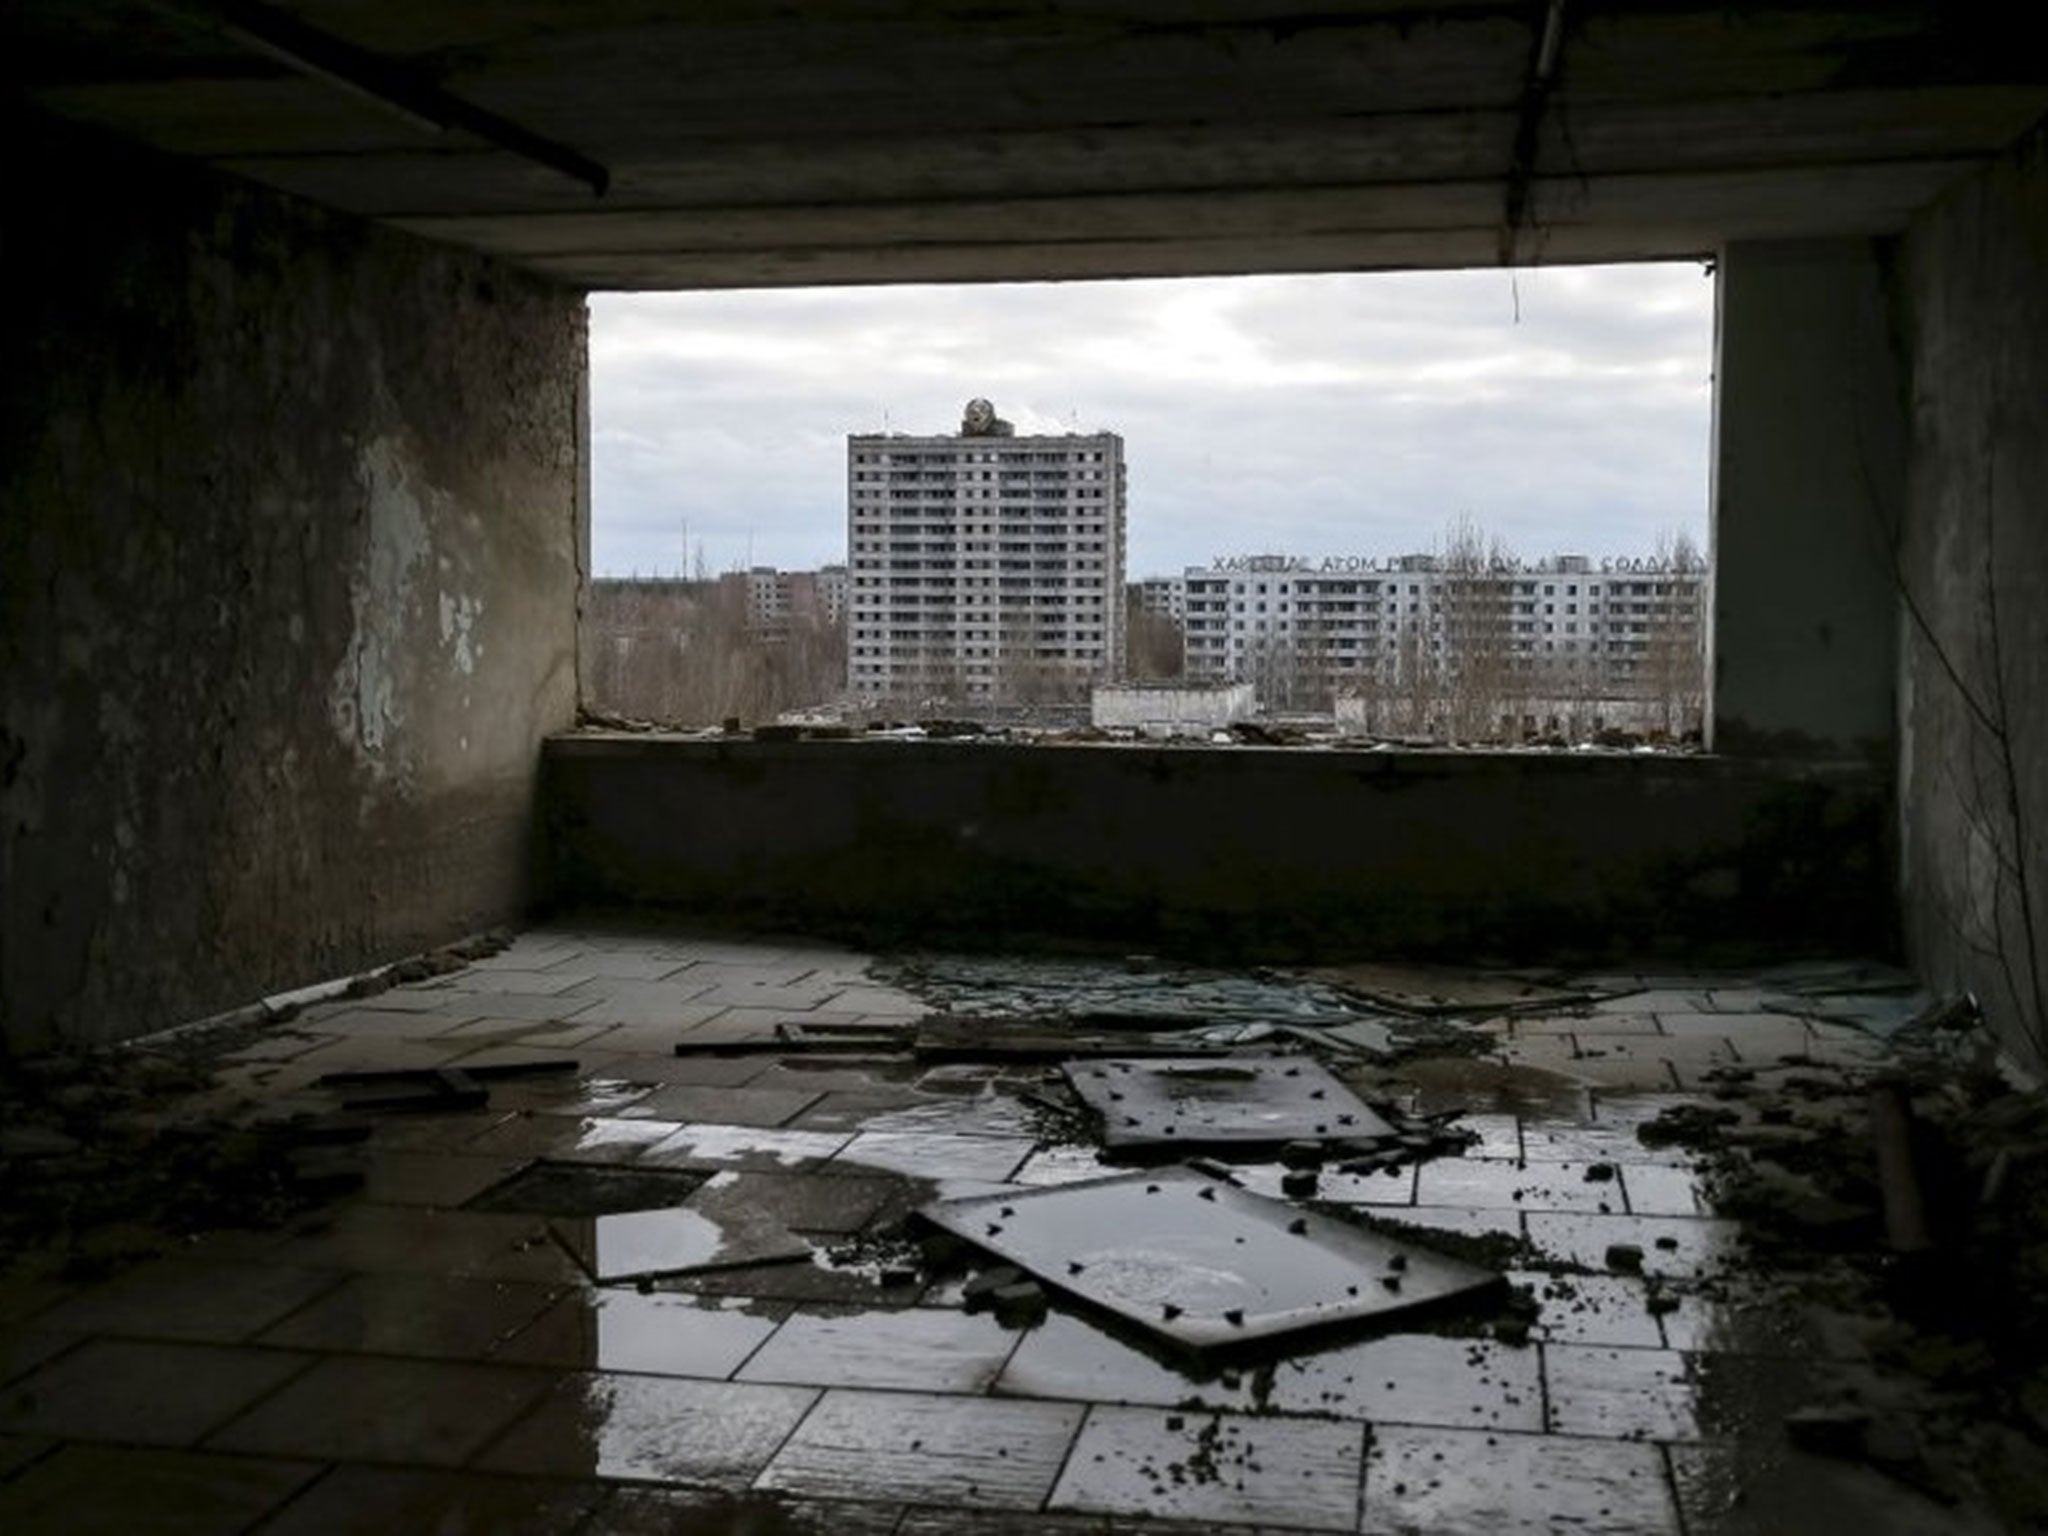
[(1319, 414)]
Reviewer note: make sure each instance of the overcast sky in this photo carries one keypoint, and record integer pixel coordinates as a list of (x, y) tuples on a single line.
[(1322, 415)]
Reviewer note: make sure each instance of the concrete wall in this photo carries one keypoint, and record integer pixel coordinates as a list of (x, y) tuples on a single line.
[(1165, 710), (1974, 683), (1809, 464), (1238, 853), (289, 558)]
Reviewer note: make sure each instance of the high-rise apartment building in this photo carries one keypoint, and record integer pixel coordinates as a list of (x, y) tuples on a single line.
[(983, 566)]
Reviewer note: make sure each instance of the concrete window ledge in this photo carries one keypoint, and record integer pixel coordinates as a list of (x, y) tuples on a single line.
[(1227, 853)]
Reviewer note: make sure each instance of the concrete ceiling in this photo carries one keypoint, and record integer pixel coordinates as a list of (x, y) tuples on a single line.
[(745, 143)]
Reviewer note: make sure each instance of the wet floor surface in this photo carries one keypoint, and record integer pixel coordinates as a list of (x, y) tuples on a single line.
[(497, 1333)]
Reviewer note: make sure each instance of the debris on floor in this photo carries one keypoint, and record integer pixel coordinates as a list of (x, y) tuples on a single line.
[(1200, 1262), (1444, 989)]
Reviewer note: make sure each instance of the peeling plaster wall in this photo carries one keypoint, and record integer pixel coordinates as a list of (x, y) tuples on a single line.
[(289, 562), (1974, 749)]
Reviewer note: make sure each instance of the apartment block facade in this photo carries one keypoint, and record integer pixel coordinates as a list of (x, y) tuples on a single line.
[(984, 566), (1566, 625)]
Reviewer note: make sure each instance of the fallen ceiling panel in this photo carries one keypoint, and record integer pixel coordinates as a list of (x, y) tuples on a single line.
[(1235, 1100), (1202, 1263)]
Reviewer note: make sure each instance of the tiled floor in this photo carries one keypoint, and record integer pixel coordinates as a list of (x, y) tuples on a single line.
[(401, 1363)]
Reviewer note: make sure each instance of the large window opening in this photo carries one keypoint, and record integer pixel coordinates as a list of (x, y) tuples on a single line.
[(1457, 506)]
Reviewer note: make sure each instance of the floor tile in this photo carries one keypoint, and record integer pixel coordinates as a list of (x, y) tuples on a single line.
[(1390, 1187), (810, 1202), (1665, 1189), (1557, 1142), (1200, 1466), (518, 983), (689, 1512), (1539, 1186), (96, 1490), (148, 1393), (1415, 1378), (178, 1299), (352, 1408), (1592, 1309), (1063, 1165), (437, 1316), (652, 1428), (1465, 1220), (911, 1446), (1672, 1245), (660, 1333), (918, 1348), (619, 966), (724, 1106), (1071, 1357), (1431, 1480), (23, 1349), (704, 1071), (395, 1501), (1640, 1394), (743, 1146), (579, 1138), (397, 1239), (445, 1179), (935, 1155), (676, 1240)]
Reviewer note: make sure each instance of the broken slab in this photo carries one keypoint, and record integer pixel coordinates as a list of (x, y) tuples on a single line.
[(1202, 1263), (1152, 1102), (1433, 989)]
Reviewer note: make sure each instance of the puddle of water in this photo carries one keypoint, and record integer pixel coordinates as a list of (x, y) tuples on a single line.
[(634, 1245)]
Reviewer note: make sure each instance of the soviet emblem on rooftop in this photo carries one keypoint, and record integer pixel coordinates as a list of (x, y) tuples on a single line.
[(980, 420)]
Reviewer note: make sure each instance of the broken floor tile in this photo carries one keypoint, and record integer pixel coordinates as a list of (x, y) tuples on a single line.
[(1189, 1465), (1201, 1262), (147, 1393), (1179, 1102), (652, 1428), (104, 1490), (659, 1333), (1430, 989), (1514, 1485), (916, 1348), (431, 1315), (937, 1155), (975, 1452), (1414, 1378), (354, 1408), (1539, 1186), (1063, 1165)]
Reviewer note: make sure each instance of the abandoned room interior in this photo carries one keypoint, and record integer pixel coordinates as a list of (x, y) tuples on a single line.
[(420, 1111)]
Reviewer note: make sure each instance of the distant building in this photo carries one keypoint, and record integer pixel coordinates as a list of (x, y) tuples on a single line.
[(772, 601), (1450, 638), (984, 567), (1171, 709), (1166, 596)]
